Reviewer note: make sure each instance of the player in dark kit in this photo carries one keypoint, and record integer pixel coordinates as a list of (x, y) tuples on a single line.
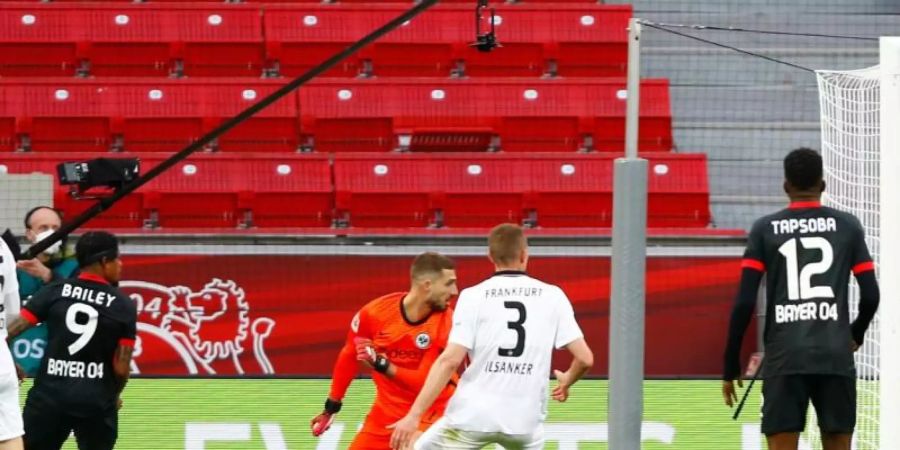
[(807, 253), (91, 331)]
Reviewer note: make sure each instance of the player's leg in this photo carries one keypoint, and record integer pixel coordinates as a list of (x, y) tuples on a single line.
[(365, 440), (46, 427), (97, 433), (532, 441), (834, 398), (785, 401), (783, 441), (11, 426), (440, 436)]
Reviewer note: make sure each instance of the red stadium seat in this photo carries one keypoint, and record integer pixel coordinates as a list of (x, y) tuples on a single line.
[(386, 190), (127, 213), (287, 191), (544, 190), (525, 114), (162, 115), (243, 190), (417, 190), (219, 191), (577, 190), (198, 39), (39, 40), (580, 39)]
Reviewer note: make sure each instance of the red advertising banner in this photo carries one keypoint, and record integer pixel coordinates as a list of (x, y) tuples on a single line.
[(288, 315)]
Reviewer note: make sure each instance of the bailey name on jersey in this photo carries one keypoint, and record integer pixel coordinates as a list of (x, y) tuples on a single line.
[(804, 225), (88, 295)]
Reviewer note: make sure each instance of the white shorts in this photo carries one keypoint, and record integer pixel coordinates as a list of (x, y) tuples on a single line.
[(440, 436), (10, 413)]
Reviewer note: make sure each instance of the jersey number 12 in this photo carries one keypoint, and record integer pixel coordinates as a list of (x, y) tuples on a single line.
[(799, 280)]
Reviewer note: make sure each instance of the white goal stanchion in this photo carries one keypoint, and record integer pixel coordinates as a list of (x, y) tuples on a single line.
[(860, 118)]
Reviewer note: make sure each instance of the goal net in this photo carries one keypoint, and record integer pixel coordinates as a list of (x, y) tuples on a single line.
[(857, 142)]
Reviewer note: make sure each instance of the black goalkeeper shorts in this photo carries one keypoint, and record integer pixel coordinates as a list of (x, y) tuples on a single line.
[(786, 399), (47, 427)]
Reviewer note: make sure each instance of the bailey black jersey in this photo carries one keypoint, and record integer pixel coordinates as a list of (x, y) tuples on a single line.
[(86, 320), (808, 252)]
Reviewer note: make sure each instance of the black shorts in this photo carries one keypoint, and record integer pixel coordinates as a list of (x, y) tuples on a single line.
[(47, 427), (786, 399)]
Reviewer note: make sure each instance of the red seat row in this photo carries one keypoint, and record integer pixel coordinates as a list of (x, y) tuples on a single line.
[(390, 190), (331, 115), (206, 39)]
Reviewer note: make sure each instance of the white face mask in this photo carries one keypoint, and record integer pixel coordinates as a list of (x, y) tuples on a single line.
[(53, 249)]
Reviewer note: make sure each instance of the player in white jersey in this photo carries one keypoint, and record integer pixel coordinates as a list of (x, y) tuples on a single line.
[(11, 428), (508, 326)]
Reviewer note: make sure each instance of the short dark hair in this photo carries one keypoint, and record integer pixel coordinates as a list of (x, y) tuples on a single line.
[(95, 246), (36, 209), (430, 263), (506, 243), (803, 168)]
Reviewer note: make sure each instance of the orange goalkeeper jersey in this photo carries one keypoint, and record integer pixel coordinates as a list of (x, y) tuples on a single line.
[(412, 347)]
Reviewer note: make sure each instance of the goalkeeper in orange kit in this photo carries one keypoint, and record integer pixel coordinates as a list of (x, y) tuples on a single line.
[(399, 336)]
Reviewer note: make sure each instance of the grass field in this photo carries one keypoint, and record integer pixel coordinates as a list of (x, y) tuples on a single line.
[(273, 414)]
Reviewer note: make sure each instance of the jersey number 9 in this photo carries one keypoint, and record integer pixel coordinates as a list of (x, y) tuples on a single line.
[(85, 331)]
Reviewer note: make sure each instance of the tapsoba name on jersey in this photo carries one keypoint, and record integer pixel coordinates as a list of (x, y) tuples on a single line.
[(87, 295), (804, 225)]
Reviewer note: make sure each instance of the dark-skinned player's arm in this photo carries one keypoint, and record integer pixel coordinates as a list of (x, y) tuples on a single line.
[(752, 270), (124, 350), (122, 367), (869, 294)]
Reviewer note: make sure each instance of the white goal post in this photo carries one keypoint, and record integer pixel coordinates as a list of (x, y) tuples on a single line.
[(860, 118)]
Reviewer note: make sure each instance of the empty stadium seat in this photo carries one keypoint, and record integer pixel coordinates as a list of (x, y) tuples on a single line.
[(543, 190), (418, 190), (219, 191), (569, 40), (526, 115), (231, 190), (127, 213), (196, 39), (577, 190), (122, 114)]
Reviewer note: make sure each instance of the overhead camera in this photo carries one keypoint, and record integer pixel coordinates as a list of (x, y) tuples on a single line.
[(98, 173), (485, 41)]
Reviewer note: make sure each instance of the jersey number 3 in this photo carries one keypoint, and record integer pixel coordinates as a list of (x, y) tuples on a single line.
[(86, 330), (799, 280), (518, 328)]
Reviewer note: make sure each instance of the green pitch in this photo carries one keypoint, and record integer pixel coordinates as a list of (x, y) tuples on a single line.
[(237, 414)]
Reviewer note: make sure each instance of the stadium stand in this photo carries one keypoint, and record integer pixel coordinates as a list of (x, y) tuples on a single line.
[(194, 39), (209, 39), (390, 190), (331, 116)]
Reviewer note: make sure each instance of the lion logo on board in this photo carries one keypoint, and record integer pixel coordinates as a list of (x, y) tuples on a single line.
[(209, 330)]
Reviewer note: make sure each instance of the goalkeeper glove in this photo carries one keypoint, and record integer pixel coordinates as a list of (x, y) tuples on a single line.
[(365, 352), (322, 422)]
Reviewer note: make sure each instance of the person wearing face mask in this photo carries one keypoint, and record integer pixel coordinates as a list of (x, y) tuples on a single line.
[(55, 263)]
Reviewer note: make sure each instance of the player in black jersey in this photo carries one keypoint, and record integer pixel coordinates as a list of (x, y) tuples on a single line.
[(807, 253), (91, 332)]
